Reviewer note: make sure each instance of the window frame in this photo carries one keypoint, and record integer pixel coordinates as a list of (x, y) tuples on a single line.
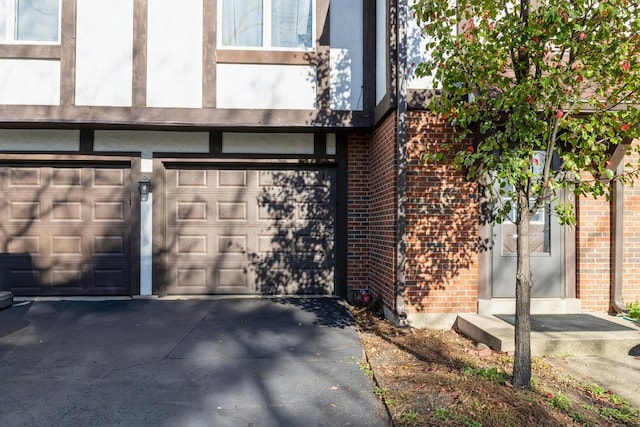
[(266, 31), (10, 27)]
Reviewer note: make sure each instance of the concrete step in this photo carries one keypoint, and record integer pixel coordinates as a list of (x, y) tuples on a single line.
[(601, 334), (6, 299)]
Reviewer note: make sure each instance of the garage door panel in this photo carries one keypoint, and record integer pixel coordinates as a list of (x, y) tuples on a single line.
[(110, 278), (113, 211), (66, 230), (24, 245), (189, 211), (233, 244), (236, 179), (192, 279), (109, 245), (109, 178), (232, 211), (66, 246), (25, 177), (265, 231), (67, 177), (24, 210), (65, 211)]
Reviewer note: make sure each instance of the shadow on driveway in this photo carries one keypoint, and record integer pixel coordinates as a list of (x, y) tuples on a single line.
[(227, 362)]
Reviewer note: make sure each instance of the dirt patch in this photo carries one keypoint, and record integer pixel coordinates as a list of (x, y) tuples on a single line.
[(429, 378)]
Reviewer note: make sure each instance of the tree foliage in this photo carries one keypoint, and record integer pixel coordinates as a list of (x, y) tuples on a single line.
[(561, 77), (546, 91)]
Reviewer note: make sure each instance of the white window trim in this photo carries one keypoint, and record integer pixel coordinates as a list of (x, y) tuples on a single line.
[(266, 31), (10, 35)]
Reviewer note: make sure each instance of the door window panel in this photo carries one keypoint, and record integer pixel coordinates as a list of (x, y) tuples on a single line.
[(539, 230)]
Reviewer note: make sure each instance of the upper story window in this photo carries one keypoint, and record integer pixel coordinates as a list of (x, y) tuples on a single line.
[(267, 24), (29, 21)]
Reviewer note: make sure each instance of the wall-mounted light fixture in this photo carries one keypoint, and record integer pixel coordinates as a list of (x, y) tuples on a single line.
[(145, 188)]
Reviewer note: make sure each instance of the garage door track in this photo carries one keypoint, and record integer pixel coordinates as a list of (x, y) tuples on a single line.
[(225, 362)]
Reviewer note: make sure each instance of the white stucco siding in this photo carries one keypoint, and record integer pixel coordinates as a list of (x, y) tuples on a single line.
[(30, 81), (267, 143), (381, 49), (148, 142), (104, 52), (174, 54), (39, 140), (346, 55), (266, 86)]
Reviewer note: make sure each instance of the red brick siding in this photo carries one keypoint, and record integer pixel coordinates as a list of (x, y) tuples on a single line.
[(631, 239), (593, 253), (442, 221), (442, 226), (358, 214), (382, 210), (594, 234)]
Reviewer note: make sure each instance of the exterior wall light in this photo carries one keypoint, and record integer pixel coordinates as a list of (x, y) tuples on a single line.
[(145, 188)]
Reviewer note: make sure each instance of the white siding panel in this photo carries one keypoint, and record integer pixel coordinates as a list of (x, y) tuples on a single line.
[(151, 141), (104, 52), (174, 53), (39, 140), (346, 55), (29, 82), (266, 86), (267, 143)]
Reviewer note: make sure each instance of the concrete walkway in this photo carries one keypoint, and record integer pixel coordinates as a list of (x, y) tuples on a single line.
[(598, 348), (226, 362)]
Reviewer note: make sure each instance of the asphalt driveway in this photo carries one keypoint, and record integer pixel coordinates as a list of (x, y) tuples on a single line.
[(226, 362)]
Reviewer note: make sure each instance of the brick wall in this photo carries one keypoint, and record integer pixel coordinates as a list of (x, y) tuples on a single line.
[(442, 226), (593, 253), (442, 221), (358, 214), (382, 210), (594, 234), (631, 239)]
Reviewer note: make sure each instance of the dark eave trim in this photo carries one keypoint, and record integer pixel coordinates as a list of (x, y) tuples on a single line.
[(369, 54), (37, 116)]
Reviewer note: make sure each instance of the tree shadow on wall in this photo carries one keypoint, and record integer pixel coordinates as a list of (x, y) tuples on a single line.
[(296, 248), (448, 232)]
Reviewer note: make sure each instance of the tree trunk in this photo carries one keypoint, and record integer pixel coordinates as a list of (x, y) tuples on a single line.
[(524, 282)]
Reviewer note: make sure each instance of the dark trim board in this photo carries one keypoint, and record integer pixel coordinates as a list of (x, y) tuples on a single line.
[(208, 118)]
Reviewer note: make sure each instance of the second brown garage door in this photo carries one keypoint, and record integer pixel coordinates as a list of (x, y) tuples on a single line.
[(249, 231)]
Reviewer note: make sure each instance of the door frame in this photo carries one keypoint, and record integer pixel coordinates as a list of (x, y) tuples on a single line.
[(485, 262)]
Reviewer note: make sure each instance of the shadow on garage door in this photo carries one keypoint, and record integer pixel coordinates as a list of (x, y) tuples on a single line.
[(250, 230), (66, 229)]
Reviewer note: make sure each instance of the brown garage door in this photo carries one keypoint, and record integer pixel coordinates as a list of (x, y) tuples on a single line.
[(250, 231), (65, 230)]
